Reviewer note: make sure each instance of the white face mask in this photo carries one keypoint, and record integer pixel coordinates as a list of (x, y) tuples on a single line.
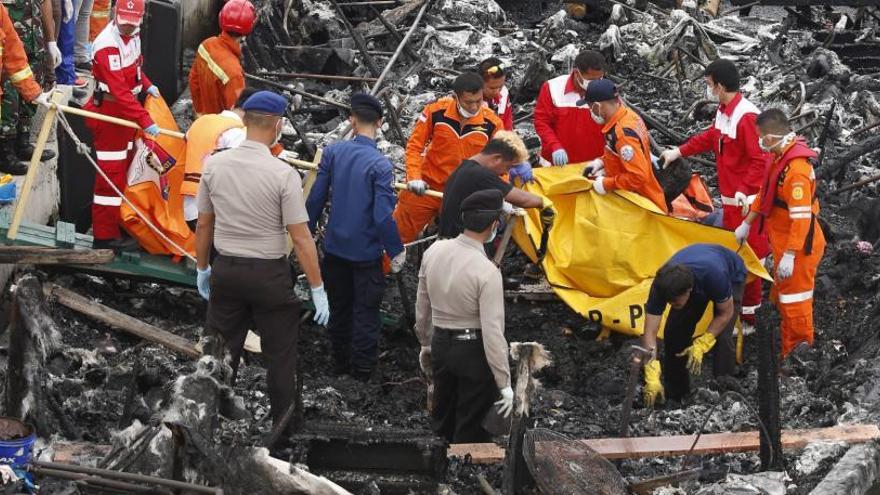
[(279, 133), (464, 113), (782, 143), (710, 94), (494, 234), (596, 117), (585, 83)]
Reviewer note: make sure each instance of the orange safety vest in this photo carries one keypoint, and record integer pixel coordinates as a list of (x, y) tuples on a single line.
[(201, 141)]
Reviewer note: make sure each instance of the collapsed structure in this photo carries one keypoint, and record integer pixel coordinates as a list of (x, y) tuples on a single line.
[(140, 407)]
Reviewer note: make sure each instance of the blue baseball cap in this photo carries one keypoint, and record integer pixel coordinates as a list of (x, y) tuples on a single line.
[(267, 102), (599, 90)]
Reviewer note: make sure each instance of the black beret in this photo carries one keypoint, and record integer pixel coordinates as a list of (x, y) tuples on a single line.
[(486, 200), (366, 101)]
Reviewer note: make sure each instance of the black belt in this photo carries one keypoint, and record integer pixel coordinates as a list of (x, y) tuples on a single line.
[(461, 333), (236, 260)]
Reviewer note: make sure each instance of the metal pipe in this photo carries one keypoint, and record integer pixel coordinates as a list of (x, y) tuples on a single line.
[(306, 94), (140, 478), (400, 47), (96, 481), (371, 2), (307, 75)]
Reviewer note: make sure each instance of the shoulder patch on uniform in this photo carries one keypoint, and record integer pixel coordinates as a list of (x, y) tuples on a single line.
[(115, 63), (627, 152), (797, 193)]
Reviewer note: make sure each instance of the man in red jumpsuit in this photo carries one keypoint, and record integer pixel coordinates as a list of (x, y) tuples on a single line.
[(119, 79), (740, 161), (567, 131)]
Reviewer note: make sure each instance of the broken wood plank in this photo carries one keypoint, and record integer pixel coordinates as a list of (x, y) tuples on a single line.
[(121, 321), (32, 255), (678, 445)]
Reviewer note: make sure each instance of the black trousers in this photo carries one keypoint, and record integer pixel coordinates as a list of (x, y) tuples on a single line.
[(464, 388), (678, 334), (355, 291), (245, 290)]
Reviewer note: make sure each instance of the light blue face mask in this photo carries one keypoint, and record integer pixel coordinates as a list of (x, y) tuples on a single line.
[(494, 234)]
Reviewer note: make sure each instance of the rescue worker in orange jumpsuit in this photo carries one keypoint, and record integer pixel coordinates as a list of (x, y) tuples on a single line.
[(217, 79), (787, 206), (99, 19), (447, 131), (495, 92), (626, 163), (119, 79), (209, 133), (16, 68)]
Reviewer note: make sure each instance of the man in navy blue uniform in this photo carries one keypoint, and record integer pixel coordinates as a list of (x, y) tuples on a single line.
[(688, 282), (357, 180)]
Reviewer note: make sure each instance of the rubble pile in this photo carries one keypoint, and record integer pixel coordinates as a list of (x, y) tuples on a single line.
[(121, 393)]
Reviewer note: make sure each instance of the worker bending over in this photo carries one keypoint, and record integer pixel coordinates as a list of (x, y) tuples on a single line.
[(247, 199), (568, 133), (216, 78), (734, 140), (460, 325), (484, 171), (447, 131), (209, 133), (688, 282), (788, 207), (495, 92), (357, 181), (626, 163), (117, 65)]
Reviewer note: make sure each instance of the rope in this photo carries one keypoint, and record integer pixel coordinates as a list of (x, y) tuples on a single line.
[(84, 150)]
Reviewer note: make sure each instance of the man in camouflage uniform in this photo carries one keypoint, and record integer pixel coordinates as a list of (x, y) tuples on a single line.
[(16, 114)]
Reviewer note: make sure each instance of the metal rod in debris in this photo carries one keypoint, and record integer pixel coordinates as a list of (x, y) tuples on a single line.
[(328, 77), (371, 2), (121, 475), (400, 46), (305, 94)]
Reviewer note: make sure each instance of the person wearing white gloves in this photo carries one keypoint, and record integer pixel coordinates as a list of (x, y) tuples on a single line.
[(460, 325), (250, 279)]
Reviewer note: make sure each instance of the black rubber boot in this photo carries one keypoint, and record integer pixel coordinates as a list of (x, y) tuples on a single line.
[(9, 162)]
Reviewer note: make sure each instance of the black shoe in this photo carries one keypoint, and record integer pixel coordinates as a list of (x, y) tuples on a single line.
[(9, 162), (26, 151), (117, 245)]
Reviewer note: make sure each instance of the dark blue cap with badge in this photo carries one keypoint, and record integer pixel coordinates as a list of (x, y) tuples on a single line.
[(599, 90), (366, 101), (266, 102)]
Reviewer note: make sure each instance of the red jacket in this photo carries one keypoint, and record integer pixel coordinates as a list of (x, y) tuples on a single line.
[(503, 108), (734, 140), (560, 123), (116, 65)]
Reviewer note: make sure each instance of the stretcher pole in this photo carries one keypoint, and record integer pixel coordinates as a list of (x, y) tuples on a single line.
[(48, 124), (112, 120)]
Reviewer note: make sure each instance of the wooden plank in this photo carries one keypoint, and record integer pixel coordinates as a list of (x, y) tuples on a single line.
[(121, 321), (677, 445), (49, 256)]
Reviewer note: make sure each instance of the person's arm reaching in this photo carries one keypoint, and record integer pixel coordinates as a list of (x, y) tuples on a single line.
[(204, 239), (544, 120), (424, 322), (723, 312), (523, 199), (320, 190), (383, 207), (416, 145), (306, 253), (114, 79), (703, 142), (232, 90), (48, 19), (492, 326)]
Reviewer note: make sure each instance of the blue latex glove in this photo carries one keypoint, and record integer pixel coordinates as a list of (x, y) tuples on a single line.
[(322, 305), (152, 130), (154, 91), (560, 157), (203, 282), (523, 171)]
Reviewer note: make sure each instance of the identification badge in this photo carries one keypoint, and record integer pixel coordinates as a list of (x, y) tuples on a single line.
[(115, 63), (797, 193), (627, 153)]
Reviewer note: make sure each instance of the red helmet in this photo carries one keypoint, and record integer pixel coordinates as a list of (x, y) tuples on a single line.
[(130, 12), (238, 16)]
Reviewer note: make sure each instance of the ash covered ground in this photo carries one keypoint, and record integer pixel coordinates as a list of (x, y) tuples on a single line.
[(110, 379)]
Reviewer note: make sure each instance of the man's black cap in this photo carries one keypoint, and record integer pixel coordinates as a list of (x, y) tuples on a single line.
[(366, 101), (599, 90), (481, 208)]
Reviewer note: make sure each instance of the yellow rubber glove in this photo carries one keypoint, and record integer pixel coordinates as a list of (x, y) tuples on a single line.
[(700, 346), (653, 385), (548, 213)]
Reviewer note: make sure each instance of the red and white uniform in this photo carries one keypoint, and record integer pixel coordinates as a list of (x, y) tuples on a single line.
[(560, 123), (741, 163), (116, 66), (502, 107)]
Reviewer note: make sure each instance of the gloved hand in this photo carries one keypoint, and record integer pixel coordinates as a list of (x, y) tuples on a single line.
[(505, 404), (560, 157), (548, 212), (653, 386), (786, 266), (425, 361), (55, 53), (398, 261), (599, 186), (742, 202), (742, 232), (699, 347), (203, 282), (43, 98), (507, 208), (152, 130), (417, 187), (523, 171), (594, 168), (670, 156), (322, 305), (154, 91)]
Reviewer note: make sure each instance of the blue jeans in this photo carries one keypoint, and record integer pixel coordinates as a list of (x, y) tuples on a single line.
[(65, 72)]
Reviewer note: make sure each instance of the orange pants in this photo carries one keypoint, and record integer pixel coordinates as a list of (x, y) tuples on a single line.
[(793, 297), (413, 213), (100, 18)]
